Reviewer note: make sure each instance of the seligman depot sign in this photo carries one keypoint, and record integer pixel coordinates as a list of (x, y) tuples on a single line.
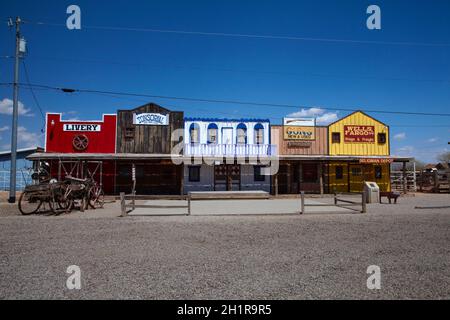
[(151, 119), (359, 134)]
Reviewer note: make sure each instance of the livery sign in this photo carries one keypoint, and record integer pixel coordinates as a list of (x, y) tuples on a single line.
[(76, 127)]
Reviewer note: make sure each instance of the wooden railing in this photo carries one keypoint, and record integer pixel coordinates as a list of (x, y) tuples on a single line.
[(338, 198), (132, 204)]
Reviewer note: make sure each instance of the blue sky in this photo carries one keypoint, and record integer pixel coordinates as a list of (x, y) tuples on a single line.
[(315, 74)]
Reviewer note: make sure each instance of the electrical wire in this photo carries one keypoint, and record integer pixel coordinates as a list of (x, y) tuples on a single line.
[(243, 35), (264, 72), (235, 102), (32, 92)]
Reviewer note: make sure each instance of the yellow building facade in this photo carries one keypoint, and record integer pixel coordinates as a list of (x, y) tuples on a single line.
[(366, 138)]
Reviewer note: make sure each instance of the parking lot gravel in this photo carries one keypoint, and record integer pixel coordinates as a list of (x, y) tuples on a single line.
[(311, 256)]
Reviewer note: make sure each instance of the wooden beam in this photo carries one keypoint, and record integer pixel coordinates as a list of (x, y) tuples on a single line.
[(320, 169)]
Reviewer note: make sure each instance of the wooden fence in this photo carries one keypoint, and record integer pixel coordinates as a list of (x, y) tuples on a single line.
[(132, 204), (337, 200)]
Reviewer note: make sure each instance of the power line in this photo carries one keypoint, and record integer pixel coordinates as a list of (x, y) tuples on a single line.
[(243, 35), (265, 72), (32, 91), (235, 102), (235, 114)]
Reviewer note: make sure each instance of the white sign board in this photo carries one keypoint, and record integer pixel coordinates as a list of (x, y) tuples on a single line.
[(151, 119), (82, 127), (300, 122)]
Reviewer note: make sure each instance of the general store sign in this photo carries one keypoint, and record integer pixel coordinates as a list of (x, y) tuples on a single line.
[(299, 133), (359, 134), (151, 119), (82, 127)]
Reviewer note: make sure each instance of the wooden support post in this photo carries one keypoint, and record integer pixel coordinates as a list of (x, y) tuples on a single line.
[(320, 169), (275, 178), (133, 200), (335, 199), (189, 204), (364, 202), (122, 205), (300, 176), (302, 202), (405, 179), (289, 176), (436, 181)]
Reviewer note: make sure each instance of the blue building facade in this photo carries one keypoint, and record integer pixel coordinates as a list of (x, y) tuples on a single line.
[(24, 168), (229, 150)]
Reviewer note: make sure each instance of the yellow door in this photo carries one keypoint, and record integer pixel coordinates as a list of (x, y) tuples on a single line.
[(356, 178)]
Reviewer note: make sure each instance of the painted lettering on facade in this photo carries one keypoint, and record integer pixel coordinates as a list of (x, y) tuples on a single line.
[(82, 127), (299, 133), (376, 160), (151, 119), (364, 134)]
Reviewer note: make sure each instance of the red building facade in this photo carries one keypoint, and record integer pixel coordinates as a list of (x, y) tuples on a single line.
[(67, 136)]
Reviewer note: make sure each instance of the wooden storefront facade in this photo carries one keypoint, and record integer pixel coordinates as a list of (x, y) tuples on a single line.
[(311, 158), (299, 170), (148, 130)]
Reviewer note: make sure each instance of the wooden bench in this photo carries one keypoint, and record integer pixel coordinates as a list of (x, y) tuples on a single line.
[(390, 196)]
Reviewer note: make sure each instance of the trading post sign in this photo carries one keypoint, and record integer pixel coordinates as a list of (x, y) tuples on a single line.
[(359, 134), (299, 133)]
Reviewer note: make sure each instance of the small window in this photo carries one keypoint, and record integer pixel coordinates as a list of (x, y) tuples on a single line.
[(356, 171), (382, 138), (212, 133), (259, 134), (257, 173), (241, 137), (129, 133), (194, 132), (378, 172), (336, 137), (194, 174), (339, 172)]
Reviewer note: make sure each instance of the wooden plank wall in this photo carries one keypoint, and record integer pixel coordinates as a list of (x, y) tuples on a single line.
[(318, 147), (147, 139)]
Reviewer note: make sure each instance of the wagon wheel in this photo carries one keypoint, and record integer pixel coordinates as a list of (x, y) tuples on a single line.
[(65, 199), (96, 197), (80, 142), (29, 203)]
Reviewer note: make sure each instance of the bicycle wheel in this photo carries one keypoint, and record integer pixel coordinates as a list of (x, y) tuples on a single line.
[(29, 203)]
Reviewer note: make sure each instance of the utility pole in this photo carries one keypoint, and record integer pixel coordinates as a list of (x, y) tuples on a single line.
[(12, 180)]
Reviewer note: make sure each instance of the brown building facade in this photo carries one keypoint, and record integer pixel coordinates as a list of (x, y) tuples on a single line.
[(299, 171)]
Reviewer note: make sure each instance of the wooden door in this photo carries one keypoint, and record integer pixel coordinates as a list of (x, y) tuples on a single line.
[(227, 177), (356, 178)]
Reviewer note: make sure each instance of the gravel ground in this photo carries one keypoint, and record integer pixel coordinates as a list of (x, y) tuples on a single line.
[(313, 256)]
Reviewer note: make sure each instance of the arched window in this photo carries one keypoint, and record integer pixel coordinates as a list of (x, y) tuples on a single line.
[(259, 133), (212, 133), (194, 133), (241, 137)]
